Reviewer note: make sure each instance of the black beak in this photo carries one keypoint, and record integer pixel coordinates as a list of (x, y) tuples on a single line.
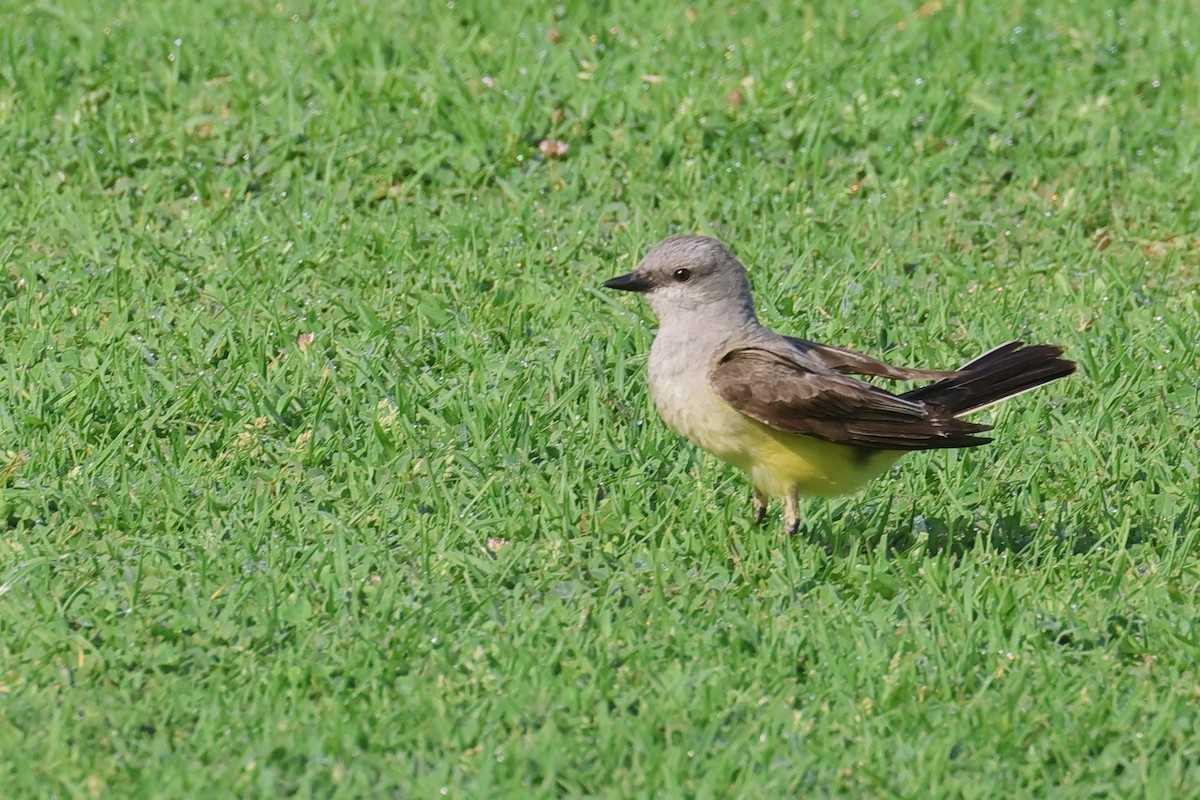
[(629, 283)]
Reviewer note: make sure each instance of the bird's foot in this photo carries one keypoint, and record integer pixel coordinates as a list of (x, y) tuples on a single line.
[(760, 507), (791, 513)]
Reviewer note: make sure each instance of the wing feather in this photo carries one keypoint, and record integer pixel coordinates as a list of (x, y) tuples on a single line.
[(772, 386), (852, 363)]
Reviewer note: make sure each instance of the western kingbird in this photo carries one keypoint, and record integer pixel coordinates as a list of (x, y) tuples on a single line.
[(786, 410)]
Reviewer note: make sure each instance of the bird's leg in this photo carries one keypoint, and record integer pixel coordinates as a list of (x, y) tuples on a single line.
[(760, 507), (791, 512)]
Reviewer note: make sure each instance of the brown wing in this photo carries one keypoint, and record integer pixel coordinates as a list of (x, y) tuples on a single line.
[(850, 362), (767, 385)]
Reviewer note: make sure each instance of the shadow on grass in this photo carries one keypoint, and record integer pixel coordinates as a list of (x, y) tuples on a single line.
[(956, 535)]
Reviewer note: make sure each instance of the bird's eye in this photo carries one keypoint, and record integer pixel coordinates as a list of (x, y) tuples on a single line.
[(682, 275)]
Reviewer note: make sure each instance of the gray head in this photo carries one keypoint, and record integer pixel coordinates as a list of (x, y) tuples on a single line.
[(685, 274)]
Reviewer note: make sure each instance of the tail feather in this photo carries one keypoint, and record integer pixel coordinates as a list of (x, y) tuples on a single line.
[(1007, 371)]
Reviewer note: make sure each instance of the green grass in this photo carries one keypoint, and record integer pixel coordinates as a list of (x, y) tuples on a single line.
[(232, 566)]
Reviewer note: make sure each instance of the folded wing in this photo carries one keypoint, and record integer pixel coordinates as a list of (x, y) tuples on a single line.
[(852, 363), (770, 384)]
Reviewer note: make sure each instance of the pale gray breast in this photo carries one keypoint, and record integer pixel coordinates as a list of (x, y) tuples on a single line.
[(678, 375)]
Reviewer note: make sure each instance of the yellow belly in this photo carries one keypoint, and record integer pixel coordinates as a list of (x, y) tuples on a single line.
[(778, 463)]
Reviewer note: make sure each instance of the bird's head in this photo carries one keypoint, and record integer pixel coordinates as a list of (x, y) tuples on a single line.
[(687, 273)]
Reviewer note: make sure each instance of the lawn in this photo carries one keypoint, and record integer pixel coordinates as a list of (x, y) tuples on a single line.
[(327, 468)]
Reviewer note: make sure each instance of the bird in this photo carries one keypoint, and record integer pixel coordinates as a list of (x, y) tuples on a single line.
[(791, 413)]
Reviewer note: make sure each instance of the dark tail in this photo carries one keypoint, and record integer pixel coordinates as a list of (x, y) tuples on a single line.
[(1009, 370)]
